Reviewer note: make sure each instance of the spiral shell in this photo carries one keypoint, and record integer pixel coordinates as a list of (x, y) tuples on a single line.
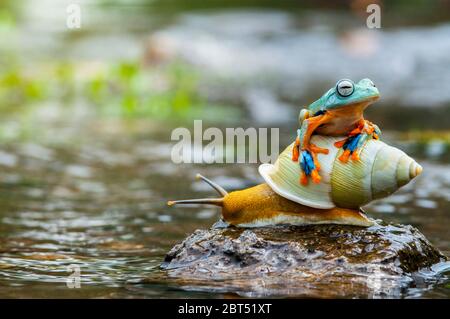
[(380, 171)]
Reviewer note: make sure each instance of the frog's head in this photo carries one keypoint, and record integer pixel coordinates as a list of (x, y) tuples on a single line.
[(346, 92)]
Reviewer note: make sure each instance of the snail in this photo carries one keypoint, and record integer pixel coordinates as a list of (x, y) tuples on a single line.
[(345, 187)]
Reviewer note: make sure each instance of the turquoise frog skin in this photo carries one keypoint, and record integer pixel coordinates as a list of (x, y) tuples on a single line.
[(338, 112)]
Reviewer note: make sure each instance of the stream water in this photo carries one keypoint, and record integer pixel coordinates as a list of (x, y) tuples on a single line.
[(101, 205)]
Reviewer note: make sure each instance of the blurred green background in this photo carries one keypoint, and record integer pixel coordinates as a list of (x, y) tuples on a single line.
[(86, 118), (256, 61)]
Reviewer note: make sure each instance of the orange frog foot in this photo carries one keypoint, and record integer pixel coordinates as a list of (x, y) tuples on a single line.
[(313, 167), (309, 165), (352, 152), (347, 154), (364, 129), (314, 176)]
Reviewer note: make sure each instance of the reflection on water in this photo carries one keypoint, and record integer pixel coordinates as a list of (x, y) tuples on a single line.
[(102, 206)]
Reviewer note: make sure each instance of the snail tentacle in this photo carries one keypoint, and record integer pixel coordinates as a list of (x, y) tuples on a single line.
[(207, 201), (218, 188)]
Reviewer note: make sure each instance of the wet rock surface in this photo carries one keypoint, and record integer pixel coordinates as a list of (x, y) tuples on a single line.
[(311, 261)]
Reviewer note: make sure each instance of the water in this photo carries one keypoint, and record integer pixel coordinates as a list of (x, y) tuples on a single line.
[(101, 206)]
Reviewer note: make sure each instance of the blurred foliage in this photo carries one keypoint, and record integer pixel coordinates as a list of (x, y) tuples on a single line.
[(130, 90), (7, 20), (427, 136), (17, 88), (127, 89), (120, 89)]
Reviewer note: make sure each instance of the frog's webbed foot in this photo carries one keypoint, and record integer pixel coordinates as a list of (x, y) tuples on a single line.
[(363, 132), (351, 148), (309, 165)]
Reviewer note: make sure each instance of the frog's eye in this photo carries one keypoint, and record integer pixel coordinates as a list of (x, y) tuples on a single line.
[(345, 88)]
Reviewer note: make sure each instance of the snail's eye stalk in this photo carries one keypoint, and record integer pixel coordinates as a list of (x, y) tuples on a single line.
[(345, 87), (199, 201), (207, 201)]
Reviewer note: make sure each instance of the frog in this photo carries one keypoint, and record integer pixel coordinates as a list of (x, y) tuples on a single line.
[(339, 112)]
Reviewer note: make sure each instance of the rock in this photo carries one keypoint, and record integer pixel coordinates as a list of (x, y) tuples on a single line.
[(314, 261)]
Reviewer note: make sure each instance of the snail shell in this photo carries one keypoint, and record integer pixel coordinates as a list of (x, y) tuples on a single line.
[(381, 170)]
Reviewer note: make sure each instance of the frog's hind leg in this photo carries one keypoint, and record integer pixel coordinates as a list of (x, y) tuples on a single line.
[(350, 147), (307, 155), (356, 138), (308, 167), (303, 178)]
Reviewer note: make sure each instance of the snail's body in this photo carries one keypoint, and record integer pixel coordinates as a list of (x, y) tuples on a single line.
[(261, 206)]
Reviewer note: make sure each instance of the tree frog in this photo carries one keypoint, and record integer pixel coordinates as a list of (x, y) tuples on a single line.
[(339, 112)]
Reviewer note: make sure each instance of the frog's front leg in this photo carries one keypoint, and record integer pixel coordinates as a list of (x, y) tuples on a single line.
[(306, 152), (363, 132), (372, 130)]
